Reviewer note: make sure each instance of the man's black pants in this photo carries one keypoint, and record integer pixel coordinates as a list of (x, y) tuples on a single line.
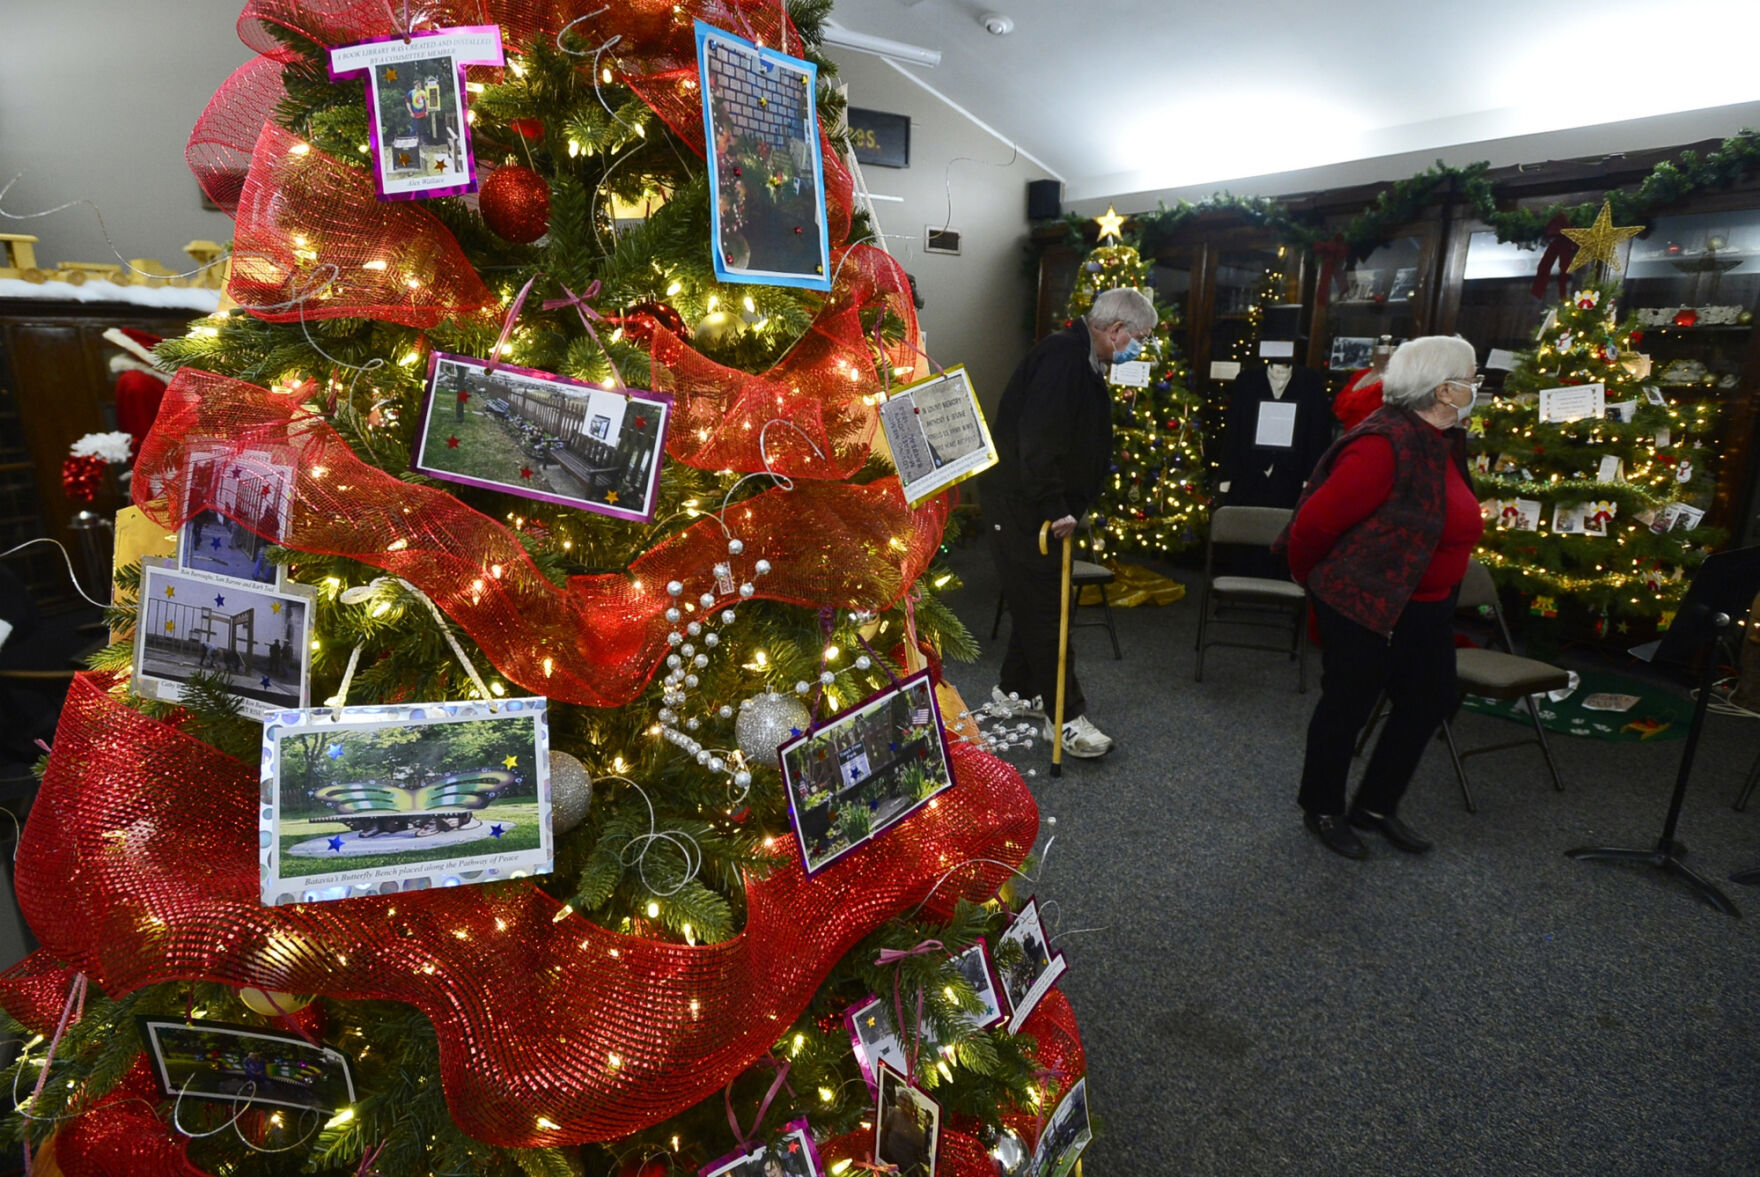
[(1032, 585), (1414, 667)]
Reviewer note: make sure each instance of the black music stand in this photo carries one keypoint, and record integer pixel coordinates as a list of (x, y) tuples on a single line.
[(1723, 588)]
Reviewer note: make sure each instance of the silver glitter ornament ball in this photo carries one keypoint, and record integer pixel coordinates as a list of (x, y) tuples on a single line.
[(571, 791), (765, 722), (1012, 1157)]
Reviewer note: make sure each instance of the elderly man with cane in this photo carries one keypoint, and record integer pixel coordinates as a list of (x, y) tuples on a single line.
[(1053, 433)]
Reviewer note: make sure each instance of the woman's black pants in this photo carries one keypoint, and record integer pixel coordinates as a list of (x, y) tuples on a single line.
[(1413, 667)]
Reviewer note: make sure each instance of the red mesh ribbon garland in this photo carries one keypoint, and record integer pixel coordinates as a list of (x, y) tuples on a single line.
[(139, 866), (123, 1135), (598, 640), (220, 146), (826, 385), (311, 226)]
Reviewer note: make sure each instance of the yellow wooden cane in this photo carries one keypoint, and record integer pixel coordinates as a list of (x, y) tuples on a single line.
[(1062, 645)]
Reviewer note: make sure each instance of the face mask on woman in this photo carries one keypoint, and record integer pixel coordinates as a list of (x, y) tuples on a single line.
[(1462, 412)]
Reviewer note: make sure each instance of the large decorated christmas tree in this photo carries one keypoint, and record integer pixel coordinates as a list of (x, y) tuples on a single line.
[(429, 814), (1156, 500), (1593, 480)]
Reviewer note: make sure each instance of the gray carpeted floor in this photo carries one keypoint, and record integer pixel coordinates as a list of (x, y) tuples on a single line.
[(1254, 1004)]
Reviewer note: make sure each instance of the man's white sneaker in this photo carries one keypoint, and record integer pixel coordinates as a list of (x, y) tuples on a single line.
[(1015, 707), (1081, 738)]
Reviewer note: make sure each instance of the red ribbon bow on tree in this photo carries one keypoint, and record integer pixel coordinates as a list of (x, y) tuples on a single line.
[(1332, 255), (1559, 252)]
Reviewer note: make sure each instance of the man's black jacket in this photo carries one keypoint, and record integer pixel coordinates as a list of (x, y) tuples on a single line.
[(1053, 434)]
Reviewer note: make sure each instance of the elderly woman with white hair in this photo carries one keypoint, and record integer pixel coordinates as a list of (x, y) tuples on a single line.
[(1381, 538)]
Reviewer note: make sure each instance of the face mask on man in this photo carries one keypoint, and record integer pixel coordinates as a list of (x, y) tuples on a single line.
[(1131, 350)]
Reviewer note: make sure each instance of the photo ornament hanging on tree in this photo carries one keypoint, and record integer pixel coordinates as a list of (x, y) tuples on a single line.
[(403, 797), (417, 132), (244, 1066), (766, 177), (853, 777), (543, 436), (793, 1154)]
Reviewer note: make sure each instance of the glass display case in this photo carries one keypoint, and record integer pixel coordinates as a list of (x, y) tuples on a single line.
[(1376, 296)]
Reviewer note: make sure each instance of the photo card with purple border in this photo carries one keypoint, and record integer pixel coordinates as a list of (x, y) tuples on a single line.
[(860, 773), (766, 175), (907, 1126), (242, 1065), (792, 1154), (257, 639), (1031, 973), (417, 131), (979, 970), (237, 504), (543, 436), (1065, 1135)]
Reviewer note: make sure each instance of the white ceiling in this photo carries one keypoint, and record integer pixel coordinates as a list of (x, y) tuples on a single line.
[(1152, 96)]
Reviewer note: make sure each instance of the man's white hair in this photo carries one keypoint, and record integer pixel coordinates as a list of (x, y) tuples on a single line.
[(1122, 304)]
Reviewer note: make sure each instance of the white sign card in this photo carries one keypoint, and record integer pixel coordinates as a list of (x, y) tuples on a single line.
[(1500, 360), (403, 797), (1132, 375), (1518, 514), (1664, 438), (1567, 520), (1277, 425), (1277, 349), (1621, 411), (1572, 403), (1225, 369), (937, 433), (1613, 469)]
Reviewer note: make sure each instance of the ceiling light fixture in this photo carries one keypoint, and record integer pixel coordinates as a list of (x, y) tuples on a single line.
[(996, 24), (843, 38)]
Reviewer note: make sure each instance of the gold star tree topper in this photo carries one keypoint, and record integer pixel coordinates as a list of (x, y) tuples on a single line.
[(1600, 241), (1111, 225)]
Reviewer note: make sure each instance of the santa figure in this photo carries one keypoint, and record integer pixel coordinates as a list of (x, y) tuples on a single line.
[(139, 385)]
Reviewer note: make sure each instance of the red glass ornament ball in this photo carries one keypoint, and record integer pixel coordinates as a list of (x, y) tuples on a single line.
[(652, 1167), (515, 203), (1686, 317)]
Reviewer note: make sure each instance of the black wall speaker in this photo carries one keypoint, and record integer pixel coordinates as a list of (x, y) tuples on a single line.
[(1044, 200)]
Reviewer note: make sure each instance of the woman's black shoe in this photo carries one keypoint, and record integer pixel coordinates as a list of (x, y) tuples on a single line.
[(1335, 834), (1401, 835)]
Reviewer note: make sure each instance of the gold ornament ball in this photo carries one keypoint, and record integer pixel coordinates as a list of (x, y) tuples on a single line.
[(571, 792), (717, 329), (271, 1003)]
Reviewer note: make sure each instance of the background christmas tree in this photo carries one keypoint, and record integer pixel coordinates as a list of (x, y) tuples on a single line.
[(614, 1016), (1157, 498), (1613, 477)]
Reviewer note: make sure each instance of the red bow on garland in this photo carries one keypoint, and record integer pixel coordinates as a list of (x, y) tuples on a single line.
[(1332, 256), (1559, 252)]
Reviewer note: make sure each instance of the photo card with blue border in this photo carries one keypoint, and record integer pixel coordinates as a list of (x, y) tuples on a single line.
[(863, 771), (766, 175), (402, 797)]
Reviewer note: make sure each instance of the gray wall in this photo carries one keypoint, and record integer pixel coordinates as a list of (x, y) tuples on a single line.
[(97, 98), (977, 306)]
